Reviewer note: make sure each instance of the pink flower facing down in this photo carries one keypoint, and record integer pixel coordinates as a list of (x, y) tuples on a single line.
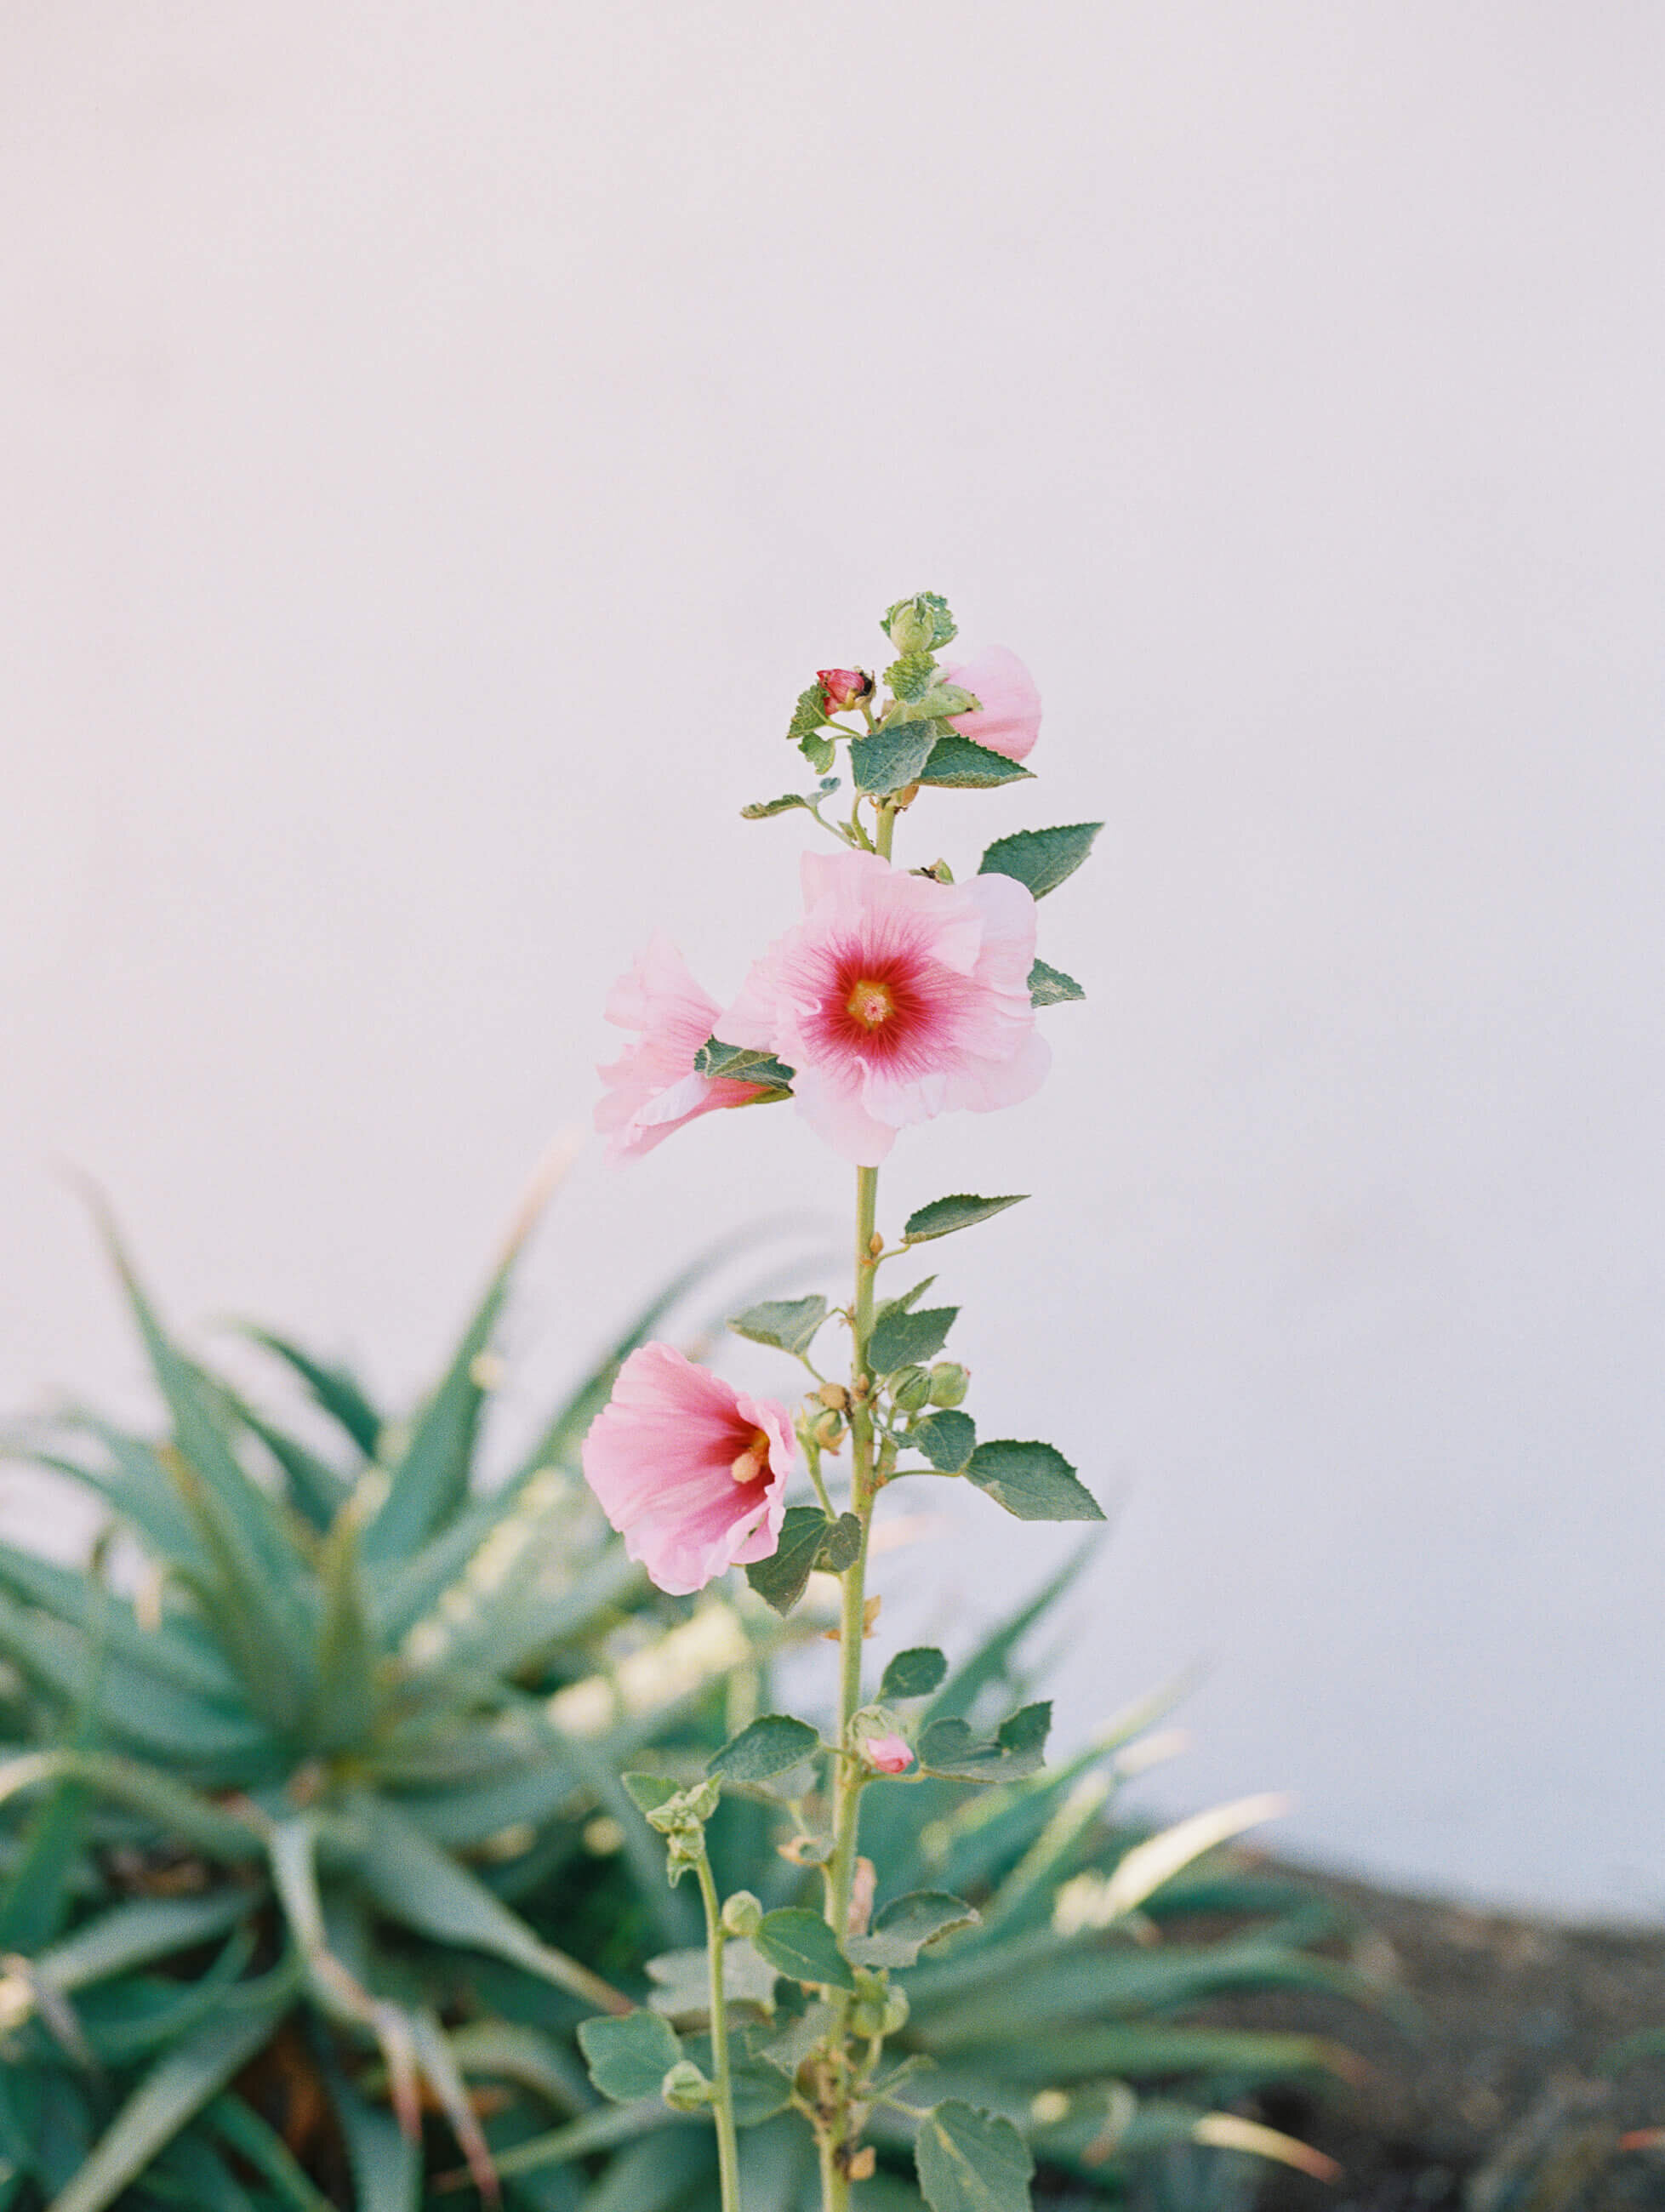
[(896, 998), (887, 1754), (691, 1473), (651, 1089), (1009, 719)]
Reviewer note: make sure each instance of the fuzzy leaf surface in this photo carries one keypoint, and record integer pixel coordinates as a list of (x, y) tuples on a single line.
[(908, 1338), (739, 1063), (808, 1540), (906, 1924), (951, 1747), (1051, 986), (800, 1944), (628, 2055), (915, 1673), (947, 1440), (761, 809), (771, 1745), (961, 1210), (1033, 1481), (786, 1324), (1041, 859), (968, 2161), (893, 757), (958, 763), (681, 1986)]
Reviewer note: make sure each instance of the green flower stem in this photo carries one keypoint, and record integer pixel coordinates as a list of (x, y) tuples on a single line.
[(851, 1775), (722, 2109)]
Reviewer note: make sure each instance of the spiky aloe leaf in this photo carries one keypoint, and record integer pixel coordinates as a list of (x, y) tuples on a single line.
[(333, 1389), (178, 1811), (174, 1650), (347, 1700)]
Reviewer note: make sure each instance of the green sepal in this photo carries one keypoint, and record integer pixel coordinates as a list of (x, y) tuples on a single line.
[(785, 1324), (1033, 1481), (915, 1673), (739, 1063), (947, 1440), (647, 1792), (945, 1215), (960, 763), (905, 1339), (808, 1540), (799, 1944), (1051, 986), (902, 1927), (1041, 859), (893, 757), (629, 2054), (951, 1749), (969, 2160), (770, 1746)]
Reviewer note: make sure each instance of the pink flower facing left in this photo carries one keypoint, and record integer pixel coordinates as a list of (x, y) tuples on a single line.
[(1009, 718), (691, 1471), (652, 1088), (895, 998)]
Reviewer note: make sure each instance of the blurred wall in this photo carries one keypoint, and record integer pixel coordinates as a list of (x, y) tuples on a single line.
[(439, 442)]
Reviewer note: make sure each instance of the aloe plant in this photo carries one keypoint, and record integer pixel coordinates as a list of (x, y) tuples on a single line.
[(263, 1818)]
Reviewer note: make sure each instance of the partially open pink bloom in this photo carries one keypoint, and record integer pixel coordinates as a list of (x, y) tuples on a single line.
[(887, 1754), (896, 998), (689, 1471), (1009, 719), (652, 1088), (844, 687)]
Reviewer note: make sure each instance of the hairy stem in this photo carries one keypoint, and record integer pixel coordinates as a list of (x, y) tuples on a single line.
[(722, 2110)]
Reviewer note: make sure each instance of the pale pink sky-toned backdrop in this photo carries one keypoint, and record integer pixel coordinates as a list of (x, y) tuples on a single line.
[(439, 442)]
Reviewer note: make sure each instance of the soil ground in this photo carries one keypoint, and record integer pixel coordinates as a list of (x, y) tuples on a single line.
[(1498, 2102)]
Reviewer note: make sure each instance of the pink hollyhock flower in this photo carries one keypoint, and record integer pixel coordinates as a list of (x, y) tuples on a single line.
[(652, 1088), (896, 998), (1009, 719), (887, 1754), (691, 1473), (844, 687)]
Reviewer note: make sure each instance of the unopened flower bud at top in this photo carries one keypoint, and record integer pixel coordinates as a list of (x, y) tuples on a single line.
[(949, 1383), (685, 2089), (844, 688), (919, 624), (834, 1394), (911, 1388), (875, 1732), (743, 1914)]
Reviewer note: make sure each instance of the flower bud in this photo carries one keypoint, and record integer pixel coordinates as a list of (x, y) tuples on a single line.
[(911, 1388), (685, 2089), (834, 1394), (949, 1383), (844, 688), (887, 1754), (828, 1430), (919, 624), (742, 1915), (895, 2013)]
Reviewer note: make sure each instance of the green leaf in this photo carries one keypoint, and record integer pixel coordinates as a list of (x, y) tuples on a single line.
[(959, 763), (169, 2097), (245, 2132), (683, 1983), (1033, 1481), (906, 1924), (333, 1389), (762, 809), (914, 1673), (739, 1063), (905, 1303), (969, 2161), (34, 1903), (770, 1746), (808, 1540), (801, 1945), (950, 1748), (133, 1934), (761, 2086), (628, 2055), (820, 752), (1041, 859), (809, 714), (906, 1340), (947, 1439), (418, 1884), (386, 2165), (945, 1215), (348, 1698), (142, 1787), (648, 1791), (1051, 986), (787, 1324), (893, 757)]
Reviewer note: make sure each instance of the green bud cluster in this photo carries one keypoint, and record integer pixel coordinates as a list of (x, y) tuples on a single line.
[(685, 2089), (949, 1383), (743, 1913), (919, 625), (681, 1820)]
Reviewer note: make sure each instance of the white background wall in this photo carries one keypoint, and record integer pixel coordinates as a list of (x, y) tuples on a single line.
[(439, 441)]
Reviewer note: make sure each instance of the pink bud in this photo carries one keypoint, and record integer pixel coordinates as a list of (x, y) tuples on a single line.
[(887, 1754), (844, 687)]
